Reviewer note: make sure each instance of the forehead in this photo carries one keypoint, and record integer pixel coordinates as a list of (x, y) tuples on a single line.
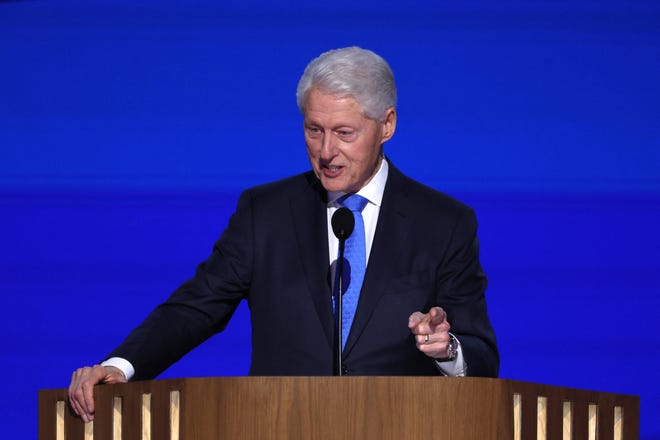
[(323, 107)]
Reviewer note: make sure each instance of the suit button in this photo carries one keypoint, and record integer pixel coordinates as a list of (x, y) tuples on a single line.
[(344, 370)]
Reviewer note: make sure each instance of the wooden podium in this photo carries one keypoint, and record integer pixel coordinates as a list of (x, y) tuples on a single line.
[(341, 408)]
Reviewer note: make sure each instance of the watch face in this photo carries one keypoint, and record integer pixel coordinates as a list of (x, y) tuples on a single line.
[(453, 346)]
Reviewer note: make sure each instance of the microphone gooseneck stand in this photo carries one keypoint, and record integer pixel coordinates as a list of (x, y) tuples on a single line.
[(343, 223)]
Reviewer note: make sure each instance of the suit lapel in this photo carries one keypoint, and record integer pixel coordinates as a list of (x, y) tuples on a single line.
[(309, 214), (391, 230)]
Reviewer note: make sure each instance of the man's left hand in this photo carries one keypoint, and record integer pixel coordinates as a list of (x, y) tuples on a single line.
[(431, 332)]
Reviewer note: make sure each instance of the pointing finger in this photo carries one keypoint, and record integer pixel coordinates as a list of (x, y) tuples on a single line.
[(415, 319)]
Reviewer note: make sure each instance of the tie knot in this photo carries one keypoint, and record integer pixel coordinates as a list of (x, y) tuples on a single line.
[(354, 202)]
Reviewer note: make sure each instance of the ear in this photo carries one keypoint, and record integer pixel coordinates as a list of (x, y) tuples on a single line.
[(389, 124)]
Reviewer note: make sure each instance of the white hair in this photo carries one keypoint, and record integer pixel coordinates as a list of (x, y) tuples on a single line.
[(355, 72)]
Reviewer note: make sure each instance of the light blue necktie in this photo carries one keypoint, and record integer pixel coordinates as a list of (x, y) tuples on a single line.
[(355, 263)]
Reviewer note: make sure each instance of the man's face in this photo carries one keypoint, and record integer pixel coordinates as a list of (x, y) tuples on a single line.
[(343, 145)]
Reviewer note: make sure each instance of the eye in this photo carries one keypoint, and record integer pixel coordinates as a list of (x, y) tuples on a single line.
[(313, 130), (346, 134)]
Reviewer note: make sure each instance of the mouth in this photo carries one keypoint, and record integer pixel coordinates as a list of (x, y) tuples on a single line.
[(331, 170)]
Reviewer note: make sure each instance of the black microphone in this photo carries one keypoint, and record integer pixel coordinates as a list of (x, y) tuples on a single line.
[(343, 223)]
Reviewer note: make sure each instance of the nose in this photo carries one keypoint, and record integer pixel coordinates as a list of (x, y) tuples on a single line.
[(328, 147)]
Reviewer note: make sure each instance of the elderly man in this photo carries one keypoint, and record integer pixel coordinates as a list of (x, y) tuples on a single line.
[(413, 300)]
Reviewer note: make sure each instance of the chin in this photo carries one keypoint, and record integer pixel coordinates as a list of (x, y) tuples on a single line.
[(333, 186)]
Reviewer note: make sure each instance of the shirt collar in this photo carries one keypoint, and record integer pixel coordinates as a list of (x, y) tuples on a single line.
[(372, 191)]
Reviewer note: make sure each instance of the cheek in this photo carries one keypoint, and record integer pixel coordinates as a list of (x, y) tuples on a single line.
[(364, 155), (314, 157), (311, 150)]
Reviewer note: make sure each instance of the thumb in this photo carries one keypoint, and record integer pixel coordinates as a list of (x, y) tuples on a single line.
[(438, 315)]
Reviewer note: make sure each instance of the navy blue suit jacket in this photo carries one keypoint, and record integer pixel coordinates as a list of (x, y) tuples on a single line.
[(274, 254)]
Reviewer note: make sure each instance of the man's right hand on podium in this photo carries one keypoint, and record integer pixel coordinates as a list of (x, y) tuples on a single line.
[(81, 389)]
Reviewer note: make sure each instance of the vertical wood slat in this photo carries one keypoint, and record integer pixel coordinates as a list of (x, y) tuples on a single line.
[(175, 404), (117, 408), (89, 431), (59, 423), (541, 418), (618, 423), (567, 421), (517, 416), (146, 416), (593, 421)]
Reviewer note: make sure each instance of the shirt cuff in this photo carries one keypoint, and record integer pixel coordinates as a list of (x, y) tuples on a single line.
[(456, 367), (122, 364)]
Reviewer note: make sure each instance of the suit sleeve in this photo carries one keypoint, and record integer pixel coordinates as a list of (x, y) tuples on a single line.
[(461, 285), (200, 307)]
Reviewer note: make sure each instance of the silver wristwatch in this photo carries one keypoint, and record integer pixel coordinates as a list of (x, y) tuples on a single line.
[(452, 349)]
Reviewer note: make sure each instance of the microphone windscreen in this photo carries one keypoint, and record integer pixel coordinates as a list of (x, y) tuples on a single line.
[(343, 223)]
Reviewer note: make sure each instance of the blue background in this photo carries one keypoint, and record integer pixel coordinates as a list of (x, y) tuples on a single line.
[(128, 128)]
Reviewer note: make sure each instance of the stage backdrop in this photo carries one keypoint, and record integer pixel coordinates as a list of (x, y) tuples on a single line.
[(128, 129)]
